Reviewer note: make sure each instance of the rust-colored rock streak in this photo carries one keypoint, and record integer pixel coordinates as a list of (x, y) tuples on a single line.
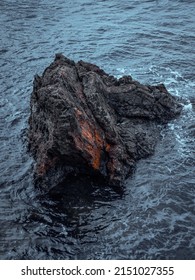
[(89, 141)]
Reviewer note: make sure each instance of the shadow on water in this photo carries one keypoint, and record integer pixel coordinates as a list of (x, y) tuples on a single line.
[(76, 196), (58, 222), (84, 190)]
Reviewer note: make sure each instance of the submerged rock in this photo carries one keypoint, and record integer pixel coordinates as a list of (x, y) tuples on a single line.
[(84, 121)]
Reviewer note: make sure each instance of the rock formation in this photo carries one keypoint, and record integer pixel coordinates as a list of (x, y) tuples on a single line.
[(84, 121)]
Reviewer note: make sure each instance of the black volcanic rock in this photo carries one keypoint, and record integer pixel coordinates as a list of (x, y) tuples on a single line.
[(84, 121)]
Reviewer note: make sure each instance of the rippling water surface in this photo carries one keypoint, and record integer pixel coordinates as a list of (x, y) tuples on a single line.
[(153, 217)]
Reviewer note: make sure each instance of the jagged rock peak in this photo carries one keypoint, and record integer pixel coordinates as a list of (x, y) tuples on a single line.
[(85, 121)]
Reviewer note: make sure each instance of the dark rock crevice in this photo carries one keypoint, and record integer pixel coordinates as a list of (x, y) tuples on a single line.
[(84, 121)]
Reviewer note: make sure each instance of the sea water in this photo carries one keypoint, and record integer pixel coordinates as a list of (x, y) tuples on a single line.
[(153, 216)]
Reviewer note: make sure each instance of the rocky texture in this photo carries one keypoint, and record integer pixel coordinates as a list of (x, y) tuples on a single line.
[(84, 121)]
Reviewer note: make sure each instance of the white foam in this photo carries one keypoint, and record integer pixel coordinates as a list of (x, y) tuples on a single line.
[(188, 107), (171, 126), (121, 72)]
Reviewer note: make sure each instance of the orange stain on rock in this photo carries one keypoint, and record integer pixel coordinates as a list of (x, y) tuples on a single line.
[(90, 140), (108, 147), (41, 169)]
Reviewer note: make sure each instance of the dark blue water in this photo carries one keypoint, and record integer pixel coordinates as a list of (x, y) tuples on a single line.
[(153, 217)]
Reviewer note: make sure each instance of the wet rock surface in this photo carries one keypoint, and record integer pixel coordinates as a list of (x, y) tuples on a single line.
[(84, 121)]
